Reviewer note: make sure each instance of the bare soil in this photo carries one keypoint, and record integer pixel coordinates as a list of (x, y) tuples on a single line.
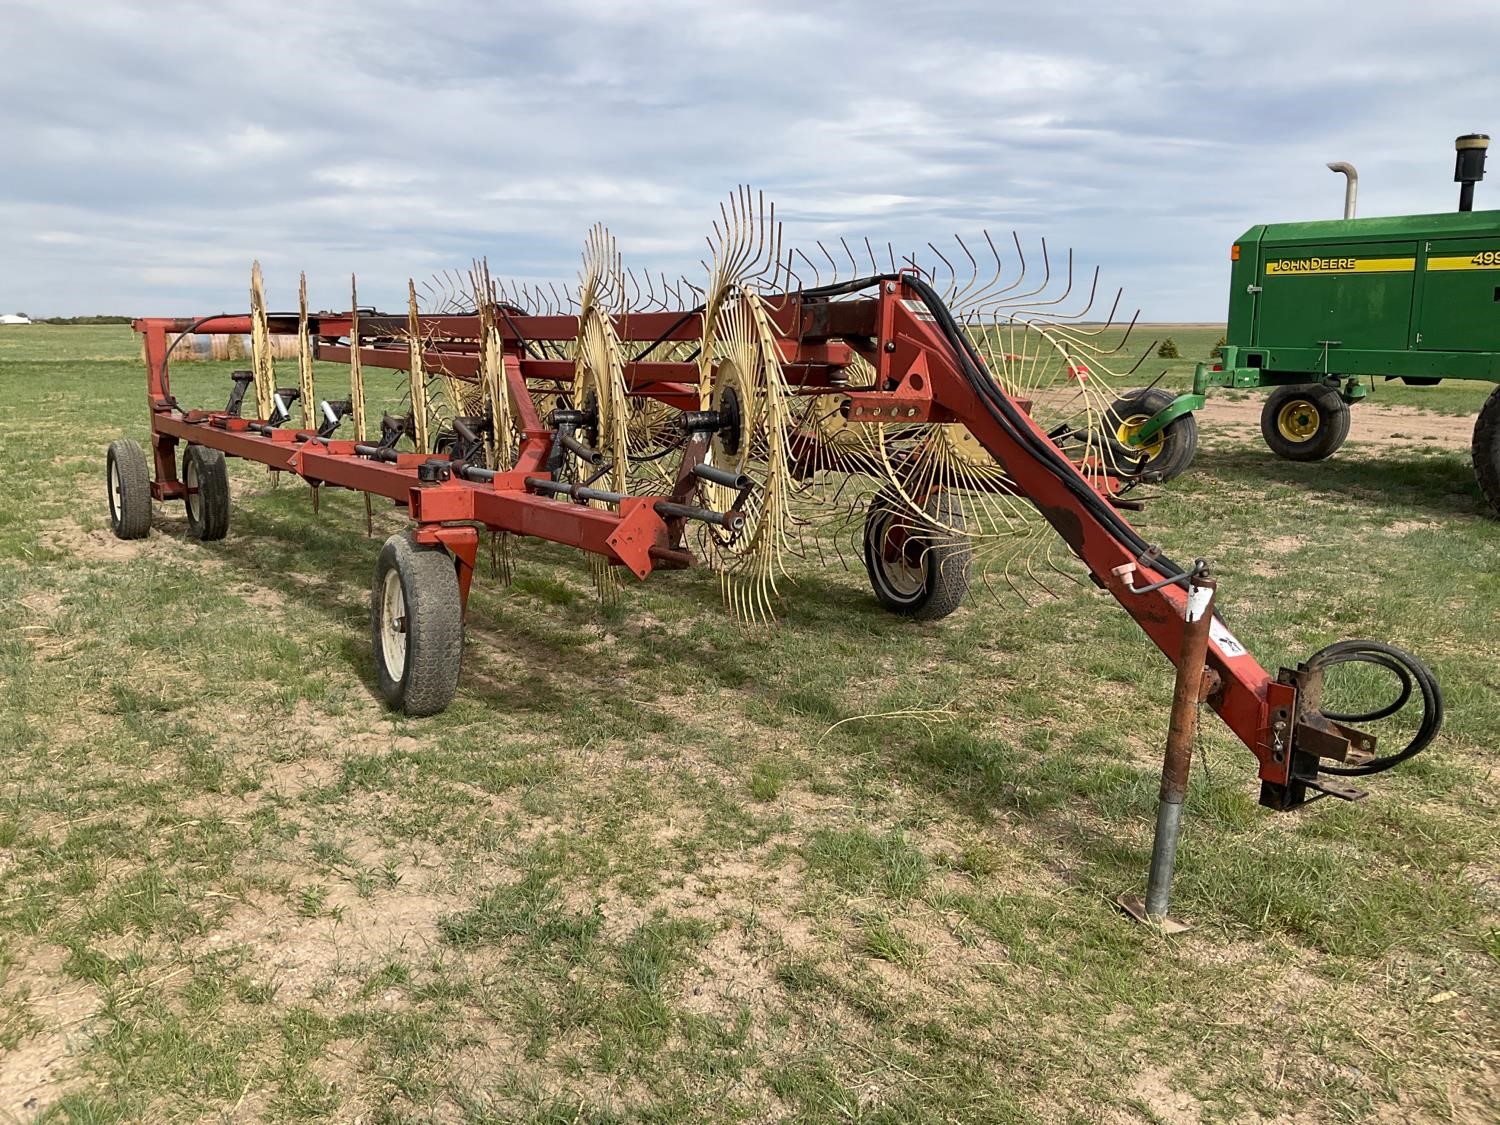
[(1370, 422)]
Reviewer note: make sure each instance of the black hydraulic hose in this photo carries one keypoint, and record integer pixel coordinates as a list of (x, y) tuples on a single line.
[(525, 343), (662, 339), (1408, 670), (840, 288), (1391, 665)]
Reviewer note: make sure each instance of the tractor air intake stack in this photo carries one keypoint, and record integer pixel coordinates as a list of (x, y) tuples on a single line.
[(1469, 169)]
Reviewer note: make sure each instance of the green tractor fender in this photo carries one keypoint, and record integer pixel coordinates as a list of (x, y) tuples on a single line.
[(1182, 404)]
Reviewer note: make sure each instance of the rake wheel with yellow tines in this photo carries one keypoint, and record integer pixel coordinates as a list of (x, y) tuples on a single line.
[(746, 468)]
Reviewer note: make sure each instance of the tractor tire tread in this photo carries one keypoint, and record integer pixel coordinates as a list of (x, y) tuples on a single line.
[(1486, 450), (1321, 445)]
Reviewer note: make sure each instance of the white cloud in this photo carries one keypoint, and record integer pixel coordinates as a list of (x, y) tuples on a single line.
[(157, 150)]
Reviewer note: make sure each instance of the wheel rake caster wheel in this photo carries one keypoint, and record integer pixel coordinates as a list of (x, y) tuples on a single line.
[(416, 622), (918, 567), (206, 478), (128, 485)]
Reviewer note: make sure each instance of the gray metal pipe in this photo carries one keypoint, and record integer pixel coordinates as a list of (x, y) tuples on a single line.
[(1351, 184), (1182, 730)]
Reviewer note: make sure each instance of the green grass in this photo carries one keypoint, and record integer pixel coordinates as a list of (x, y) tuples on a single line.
[(643, 869)]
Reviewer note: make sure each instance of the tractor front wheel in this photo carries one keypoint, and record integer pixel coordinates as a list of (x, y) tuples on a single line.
[(918, 564), (1487, 450), (127, 483), (417, 623), (1307, 422), (1169, 451)]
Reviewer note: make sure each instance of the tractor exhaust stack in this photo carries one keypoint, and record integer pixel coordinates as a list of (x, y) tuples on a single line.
[(1351, 184), (1468, 169)]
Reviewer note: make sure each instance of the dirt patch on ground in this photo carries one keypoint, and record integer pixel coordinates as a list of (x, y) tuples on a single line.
[(34, 1075), (301, 957), (98, 545), (1386, 425), (1159, 1094)]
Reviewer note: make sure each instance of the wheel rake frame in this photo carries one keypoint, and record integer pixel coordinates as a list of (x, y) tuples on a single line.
[(886, 345)]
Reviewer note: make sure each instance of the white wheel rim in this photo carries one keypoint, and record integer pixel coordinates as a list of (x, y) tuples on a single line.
[(393, 625), (190, 481), (116, 496), (903, 578)]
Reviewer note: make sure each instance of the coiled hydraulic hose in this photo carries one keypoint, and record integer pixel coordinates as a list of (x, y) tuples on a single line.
[(1408, 671)]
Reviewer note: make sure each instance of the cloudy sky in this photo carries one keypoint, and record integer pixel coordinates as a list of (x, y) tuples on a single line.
[(150, 150)]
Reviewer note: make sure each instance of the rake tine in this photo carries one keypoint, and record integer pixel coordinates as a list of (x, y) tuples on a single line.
[(853, 265), (356, 365), (261, 360), (305, 361), (817, 276)]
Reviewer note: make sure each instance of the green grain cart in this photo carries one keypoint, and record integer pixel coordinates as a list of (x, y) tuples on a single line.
[(1317, 308)]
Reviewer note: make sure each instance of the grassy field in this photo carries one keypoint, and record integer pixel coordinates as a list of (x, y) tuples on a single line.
[(655, 866)]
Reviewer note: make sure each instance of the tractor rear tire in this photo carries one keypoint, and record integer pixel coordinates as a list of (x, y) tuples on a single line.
[(127, 483), (206, 479), (924, 575), (417, 624), (1306, 422), (1169, 453), (1487, 450)]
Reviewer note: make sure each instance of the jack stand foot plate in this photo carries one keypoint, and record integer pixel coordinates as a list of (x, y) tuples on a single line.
[(1135, 906)]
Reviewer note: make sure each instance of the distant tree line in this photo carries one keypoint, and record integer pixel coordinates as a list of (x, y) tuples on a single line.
[(79, 319)]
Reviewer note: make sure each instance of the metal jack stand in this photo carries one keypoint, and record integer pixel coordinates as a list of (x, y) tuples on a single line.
[(1177, 765)]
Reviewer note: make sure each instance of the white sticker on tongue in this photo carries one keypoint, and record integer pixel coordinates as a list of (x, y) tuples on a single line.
[(1224, 639)]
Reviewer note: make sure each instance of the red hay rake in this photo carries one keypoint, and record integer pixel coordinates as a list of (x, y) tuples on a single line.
[(697, 426)]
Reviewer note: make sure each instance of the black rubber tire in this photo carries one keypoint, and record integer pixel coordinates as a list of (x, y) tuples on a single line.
[(1179, 444), (944, 558), (1486, 450), (208, 509), (1329, 414), (425, 676), (127, 486)]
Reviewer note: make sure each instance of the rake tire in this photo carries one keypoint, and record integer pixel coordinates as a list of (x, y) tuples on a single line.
[(204, 469), (417, 626), (127, 485), (932, 584)]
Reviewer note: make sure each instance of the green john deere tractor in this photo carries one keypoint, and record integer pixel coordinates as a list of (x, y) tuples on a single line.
[(1317, 308)]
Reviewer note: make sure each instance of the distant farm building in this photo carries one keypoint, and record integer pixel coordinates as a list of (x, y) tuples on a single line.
[(14, 318)]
